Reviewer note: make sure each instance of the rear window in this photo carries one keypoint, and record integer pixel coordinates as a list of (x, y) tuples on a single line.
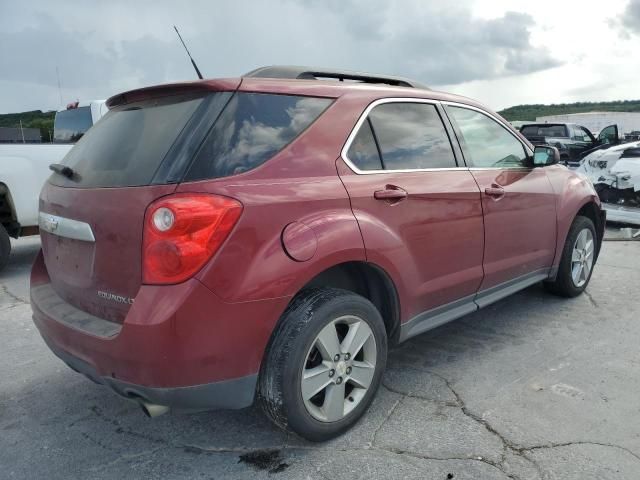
[(70, 125), (126, 147), (544, 131), (252, 128)]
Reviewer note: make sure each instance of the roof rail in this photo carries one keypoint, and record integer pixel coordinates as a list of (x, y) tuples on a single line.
[(314, 73)]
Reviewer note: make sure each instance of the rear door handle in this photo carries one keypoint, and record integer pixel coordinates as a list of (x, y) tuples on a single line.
[(390, 192), (495, 191)]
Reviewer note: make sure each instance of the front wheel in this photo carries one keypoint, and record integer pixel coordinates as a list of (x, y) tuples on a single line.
[(324, 364), (578, 259)]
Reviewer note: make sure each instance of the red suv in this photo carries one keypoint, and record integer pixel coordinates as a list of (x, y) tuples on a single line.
[(269, 237)]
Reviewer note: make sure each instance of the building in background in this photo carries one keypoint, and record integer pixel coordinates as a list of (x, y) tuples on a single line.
[(19, 135), (595, 121)]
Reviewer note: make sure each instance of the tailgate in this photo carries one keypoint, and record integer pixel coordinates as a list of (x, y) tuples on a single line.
[(99, 275)]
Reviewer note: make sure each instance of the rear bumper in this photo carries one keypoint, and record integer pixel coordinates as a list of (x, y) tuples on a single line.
[(179, 345), (228, 394)]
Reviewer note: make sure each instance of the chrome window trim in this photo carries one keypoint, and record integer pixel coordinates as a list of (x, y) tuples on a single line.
[(363, 118), (65, 227), (497, 120)]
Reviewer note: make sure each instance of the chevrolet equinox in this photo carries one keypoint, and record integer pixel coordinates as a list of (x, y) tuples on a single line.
[(211, 243)]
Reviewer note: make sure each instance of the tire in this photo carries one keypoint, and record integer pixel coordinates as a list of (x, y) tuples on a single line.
[(5, 247), (296, 346), (565, 284)]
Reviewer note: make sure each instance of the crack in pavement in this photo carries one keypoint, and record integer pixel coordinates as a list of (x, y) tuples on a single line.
[(386, 418), (508, 445), (459, 403), (579, 442), (591, 299), (12, 296)]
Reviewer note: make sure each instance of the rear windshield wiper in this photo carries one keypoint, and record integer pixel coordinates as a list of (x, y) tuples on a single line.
[(62, 170)]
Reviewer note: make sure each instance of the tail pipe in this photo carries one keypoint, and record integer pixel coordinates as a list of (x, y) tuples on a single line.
[(153, 410)]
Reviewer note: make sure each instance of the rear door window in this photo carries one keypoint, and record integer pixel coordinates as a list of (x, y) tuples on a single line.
[(252, 128), (411, 136), (126, 147)]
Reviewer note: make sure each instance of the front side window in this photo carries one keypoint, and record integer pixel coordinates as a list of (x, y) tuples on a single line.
[(586, 136), (252, 128), (487, 144)]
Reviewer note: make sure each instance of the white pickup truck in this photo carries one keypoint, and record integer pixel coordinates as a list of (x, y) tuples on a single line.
[(25, 167)]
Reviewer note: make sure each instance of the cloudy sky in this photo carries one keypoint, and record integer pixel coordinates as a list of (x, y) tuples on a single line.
[(501, 52)]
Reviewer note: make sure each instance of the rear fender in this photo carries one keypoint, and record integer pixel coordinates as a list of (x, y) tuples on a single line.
[(254, 263)]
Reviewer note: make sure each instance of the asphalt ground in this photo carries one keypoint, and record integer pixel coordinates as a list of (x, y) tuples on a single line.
[(532, 387)]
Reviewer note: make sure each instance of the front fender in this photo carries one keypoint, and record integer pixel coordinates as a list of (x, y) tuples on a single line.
[(573, 191)]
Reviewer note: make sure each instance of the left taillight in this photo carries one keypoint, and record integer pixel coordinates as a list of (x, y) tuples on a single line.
[(182, 232)]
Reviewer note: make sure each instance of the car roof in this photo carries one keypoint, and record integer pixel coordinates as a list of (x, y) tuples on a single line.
[(335, 89), (257, 81), (317, 73)]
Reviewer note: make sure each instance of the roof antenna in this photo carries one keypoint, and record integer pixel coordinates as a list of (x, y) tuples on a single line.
[(185, 47)]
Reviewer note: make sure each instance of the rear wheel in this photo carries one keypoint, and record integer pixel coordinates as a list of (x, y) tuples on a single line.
[(324, 364), (5, 247), (578, 259)]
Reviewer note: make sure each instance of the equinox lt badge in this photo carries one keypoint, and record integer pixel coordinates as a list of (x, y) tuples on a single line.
[(115, 298)]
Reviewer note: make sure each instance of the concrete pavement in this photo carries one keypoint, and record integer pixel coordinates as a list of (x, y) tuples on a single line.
[(533, 387)]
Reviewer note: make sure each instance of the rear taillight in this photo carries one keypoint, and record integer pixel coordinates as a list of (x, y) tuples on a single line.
[(182, 232)]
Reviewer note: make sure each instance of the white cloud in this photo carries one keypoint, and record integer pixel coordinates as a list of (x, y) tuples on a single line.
[(502, 51)]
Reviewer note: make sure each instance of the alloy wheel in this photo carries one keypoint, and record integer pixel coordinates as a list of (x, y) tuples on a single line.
[(338, 369), (582, 257)]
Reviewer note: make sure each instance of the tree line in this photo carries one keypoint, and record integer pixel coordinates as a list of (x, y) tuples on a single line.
[(531, 112), (33, 119)]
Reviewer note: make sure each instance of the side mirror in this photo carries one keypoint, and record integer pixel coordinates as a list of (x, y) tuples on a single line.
[(544, 155)]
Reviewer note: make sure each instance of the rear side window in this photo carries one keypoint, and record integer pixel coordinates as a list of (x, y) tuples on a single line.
[(487, 143), (252, 128), (128, 144), (70, 125), (410, 136), (363, 151)]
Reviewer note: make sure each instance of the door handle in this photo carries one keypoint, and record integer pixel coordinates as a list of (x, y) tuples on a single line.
[(495, 191), (390, 192)]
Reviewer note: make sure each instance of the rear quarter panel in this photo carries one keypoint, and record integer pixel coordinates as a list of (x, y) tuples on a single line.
[(300, 184)]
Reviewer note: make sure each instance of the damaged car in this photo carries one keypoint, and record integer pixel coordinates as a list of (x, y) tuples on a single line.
[(615, 174), (573, 141)]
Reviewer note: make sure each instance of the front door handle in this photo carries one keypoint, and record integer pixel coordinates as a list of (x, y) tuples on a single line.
[(390, 192), (495, 191)]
